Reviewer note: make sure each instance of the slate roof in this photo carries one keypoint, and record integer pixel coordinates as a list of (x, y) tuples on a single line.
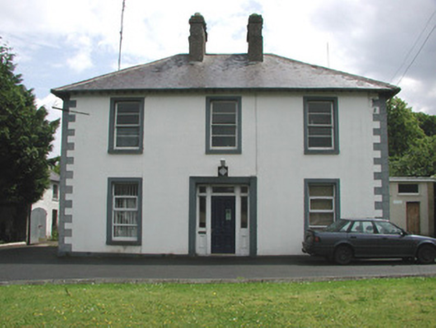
[(225, 72)]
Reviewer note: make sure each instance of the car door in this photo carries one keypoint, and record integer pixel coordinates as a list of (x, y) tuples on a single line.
[(392, 241), (363, 238)]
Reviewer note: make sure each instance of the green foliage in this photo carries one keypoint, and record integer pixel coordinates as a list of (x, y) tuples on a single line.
[(403, 127), (417, 161), (407, 302), (25, 137), (55, 164), (427, 123), (412, 140)]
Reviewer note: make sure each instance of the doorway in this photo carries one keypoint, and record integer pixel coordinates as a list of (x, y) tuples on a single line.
[(413, 217), (234, 202), (223, 225), (223, 220)]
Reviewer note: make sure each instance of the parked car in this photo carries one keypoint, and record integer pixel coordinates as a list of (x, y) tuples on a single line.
[(346, 239)]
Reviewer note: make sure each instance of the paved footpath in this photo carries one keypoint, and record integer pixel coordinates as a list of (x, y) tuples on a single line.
[(21, 264)]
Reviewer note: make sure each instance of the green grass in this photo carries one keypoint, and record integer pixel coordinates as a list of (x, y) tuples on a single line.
[(408, 302)]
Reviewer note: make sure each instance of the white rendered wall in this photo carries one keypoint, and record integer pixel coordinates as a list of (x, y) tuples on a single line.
[(174, 151)]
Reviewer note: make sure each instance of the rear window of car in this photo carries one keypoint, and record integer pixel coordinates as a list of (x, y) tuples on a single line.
[(339, 226)]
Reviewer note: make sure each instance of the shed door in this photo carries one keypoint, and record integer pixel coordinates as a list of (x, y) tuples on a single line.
[(412, 209), (38, 225), (223, 224)]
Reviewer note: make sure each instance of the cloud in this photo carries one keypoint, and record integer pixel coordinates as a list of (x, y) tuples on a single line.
[(82, 60), (53, 114), (61, 42)]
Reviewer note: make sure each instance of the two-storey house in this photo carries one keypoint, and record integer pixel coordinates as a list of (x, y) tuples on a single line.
[(204, 154)]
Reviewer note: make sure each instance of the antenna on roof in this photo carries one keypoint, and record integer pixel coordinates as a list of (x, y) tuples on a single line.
[(121, 33)]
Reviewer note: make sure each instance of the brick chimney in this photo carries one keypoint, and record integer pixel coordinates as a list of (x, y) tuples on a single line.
[(254, 38), (197, 38)]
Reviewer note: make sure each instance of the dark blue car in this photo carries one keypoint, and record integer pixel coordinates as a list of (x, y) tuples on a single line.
[(346, 239)]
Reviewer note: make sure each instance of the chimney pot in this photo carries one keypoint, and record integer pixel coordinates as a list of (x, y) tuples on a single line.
[(254, 38), (197, 38)]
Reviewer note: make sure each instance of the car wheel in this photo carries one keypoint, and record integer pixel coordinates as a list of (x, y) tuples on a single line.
[(343, 254), (426, 254)]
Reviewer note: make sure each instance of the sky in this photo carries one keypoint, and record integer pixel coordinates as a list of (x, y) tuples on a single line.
[(59, 42)]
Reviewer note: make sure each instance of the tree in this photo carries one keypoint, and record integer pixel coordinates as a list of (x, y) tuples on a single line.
[(25, 141), (427, 123), (418, 161), (412, 140), (403, 127)]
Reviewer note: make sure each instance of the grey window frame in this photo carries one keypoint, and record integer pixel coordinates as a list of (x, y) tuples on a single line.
[(110, 202), (223, 150), (112, 118), (337, 199), (334, 150)]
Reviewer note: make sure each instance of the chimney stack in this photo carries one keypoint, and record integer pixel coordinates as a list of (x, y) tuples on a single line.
[(197, 38), (254, 38)]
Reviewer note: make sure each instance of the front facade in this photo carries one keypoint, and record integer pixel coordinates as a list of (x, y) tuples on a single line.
[(413, 204), (219, 154)]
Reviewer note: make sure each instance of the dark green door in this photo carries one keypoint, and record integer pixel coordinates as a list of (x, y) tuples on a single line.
[(223, 224)]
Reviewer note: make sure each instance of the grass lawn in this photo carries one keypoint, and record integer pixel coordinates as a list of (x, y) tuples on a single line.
[(407, 302)]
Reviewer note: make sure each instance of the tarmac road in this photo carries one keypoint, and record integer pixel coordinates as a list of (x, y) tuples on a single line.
[(40, 264)]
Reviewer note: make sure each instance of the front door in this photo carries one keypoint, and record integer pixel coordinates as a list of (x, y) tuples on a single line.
[(223, 225), (412, 209)]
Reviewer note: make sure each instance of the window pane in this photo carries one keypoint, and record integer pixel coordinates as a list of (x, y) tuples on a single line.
[(321, 204), (223, 141), (244, 212), (227, 190), (362, 227), (321, 219), (220, 106), (387, 228), (126, 189), (127, 141), (129, 203), (124, 217), (127, 131), (321, 190), (123, 119), (409, 188), (128, 107), (315, 131), (320, 106), (223, 130), (320, 142), (125, 231), (320, 118), (202, 223), (224, 118)]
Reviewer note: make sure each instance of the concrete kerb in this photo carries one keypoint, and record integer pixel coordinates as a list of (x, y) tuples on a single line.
[(99, 281), (20, 243)]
